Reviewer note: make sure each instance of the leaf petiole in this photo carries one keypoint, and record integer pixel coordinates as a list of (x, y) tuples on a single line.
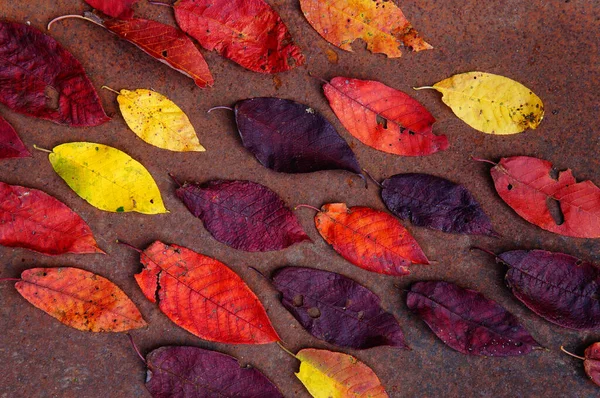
[(219, 107), (483, 160), (129, 246), (72, 16), (42, 149), (10, 279), (571, 354), (286, 350), (372, 178), (110, 89), (158, 3), (424, 88), (307, 207), (136, 348)]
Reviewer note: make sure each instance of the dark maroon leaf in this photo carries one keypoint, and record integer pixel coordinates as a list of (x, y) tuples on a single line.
[(39, 78), (467, 321), (11, 145), (193, 372), (290, 137), (337, 309), (243, 214), (560, 288), (436, 203)]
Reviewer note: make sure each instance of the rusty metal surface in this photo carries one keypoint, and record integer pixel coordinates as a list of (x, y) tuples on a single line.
[(550, 46)]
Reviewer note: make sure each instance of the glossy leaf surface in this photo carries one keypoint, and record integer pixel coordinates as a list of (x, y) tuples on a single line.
[(369, 238), (243, 214), (80, 299), (467, 321), (560, 288), (158, 120), (34, 220), (115, 8), (193, 372), (39, 78), (327, 374), (337, 309), (436, 203), (383, 118), (107, 178), (290, 137), (11, 145), (491, 103), (527, 185), (381, 24), (248, 32), (203, 296)]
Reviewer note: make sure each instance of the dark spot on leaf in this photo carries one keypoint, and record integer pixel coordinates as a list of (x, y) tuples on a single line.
[(555, 211), (298, 300), (554, 173), (382, 121), (165, 53), (509, 187), (314, 312), (120, 209), (52, 97)]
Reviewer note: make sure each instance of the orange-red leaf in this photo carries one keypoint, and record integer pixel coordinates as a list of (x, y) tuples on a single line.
[(369, 238), (80, 299), (203, 296), (384, 118), (115, 8)]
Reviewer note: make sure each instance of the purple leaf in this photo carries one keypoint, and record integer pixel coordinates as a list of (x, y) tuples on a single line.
[(467, 321), (193, 372), (243, 214), (289, 137), (560, 288), (11, 145), (435, 203), (337, 309)]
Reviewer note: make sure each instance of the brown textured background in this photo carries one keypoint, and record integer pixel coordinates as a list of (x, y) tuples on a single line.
[(551, 46)]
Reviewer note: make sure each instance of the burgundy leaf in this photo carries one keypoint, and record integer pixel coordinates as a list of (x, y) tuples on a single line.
[(436, 203), (560, 288), (467, 321), (243, 214), (115, 8), (11, 145), (39, 78), (337, 309), (289, 137), (193, 372)]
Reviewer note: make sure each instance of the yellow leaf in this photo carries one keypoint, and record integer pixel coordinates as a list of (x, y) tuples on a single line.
[(158, 121), (381, 24), (328, 374), (491, 103), (107, 178)]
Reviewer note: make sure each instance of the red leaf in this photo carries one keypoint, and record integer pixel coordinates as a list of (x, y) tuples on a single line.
[(248, 32), (39, 78), (203, 296), (167, 44), (115, 8), (526, 184), (11, 145), (35, 220), (591, 361), (383, 118), (243, 214)]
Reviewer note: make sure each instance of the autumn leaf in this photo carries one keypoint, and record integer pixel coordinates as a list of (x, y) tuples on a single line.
[(196, 372), (467, 321), (39, 78), (436, 203), (157, 120), (380, 24), (248, 32), (558, 287), (591, 361), (529, 186), (337, 309), (115, 8), (164, 43), (34, 220), (290, 137), (11, 145), (107, 178), (243, 214), (368, 238), (383, 118), (491, 103), (327, 374), (80, 299), (203, 296)]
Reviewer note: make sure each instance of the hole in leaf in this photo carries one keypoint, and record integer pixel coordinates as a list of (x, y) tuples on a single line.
[(554, 173), (361, 315), (382, 121), (555, 211), (298, 300), (165, 53), (509, 187), (314, 312), (51, 97)]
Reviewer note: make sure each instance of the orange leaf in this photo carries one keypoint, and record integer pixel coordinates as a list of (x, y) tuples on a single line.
[(369, 238), (203, 296), (80, 299), (381, 24)]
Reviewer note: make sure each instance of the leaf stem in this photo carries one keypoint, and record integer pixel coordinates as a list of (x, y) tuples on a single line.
[(10, 279), (424, 88), (129, 246), (286, 350), (136, 348), (158, 3), (259, 273), (491, 253), (307, 207), (318, 78), (220, 107), (110, 89), (483, 160), (72, 16), (179, 184), (41, 149), (571, 354), (372, 178)]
